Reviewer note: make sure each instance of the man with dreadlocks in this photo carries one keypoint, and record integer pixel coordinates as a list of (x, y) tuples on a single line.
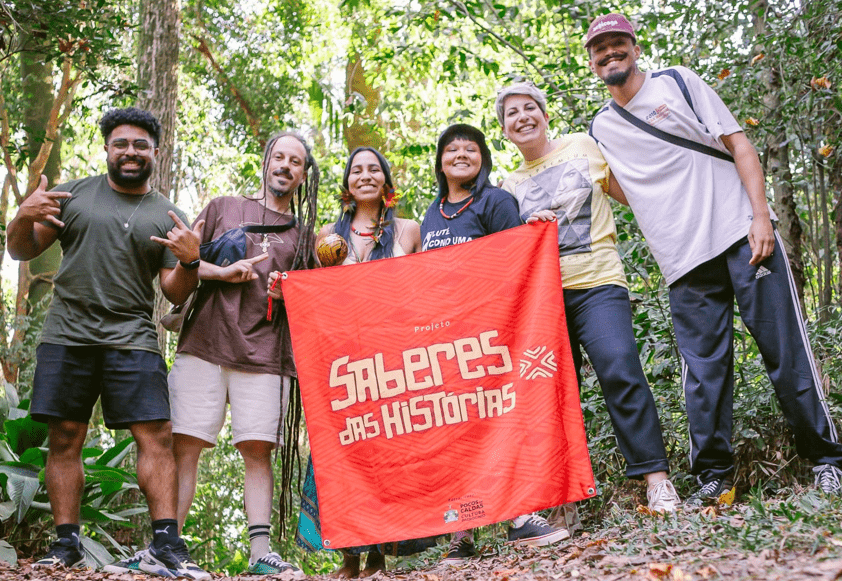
[(231, 351)]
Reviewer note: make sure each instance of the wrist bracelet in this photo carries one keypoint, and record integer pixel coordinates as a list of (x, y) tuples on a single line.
[(190, 265)]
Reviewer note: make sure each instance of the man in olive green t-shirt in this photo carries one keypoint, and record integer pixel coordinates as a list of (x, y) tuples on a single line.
[(117, 234)]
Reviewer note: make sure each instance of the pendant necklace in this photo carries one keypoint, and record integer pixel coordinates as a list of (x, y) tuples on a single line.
[(126, 223), (354, 246), (264, 243), (459, 211)]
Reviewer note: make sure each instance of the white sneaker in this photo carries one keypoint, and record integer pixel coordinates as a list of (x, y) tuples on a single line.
[(828, 478), (662, 497)]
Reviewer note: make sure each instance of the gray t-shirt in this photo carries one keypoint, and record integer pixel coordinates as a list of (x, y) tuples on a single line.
[(103, 291)]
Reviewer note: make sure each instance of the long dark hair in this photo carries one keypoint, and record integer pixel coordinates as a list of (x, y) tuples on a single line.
[(468, 133), (384, 230)]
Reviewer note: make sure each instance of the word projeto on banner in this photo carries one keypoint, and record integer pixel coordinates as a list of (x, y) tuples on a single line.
[(423, 369)]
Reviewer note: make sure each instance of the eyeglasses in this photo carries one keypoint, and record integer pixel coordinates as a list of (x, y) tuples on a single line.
[(140, 145)]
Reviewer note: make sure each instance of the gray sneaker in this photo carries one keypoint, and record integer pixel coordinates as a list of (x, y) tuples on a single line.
[(130, 565), (171, 561), (535, 531), (828, 478)]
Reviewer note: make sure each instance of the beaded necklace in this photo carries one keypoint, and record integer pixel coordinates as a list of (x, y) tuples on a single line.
[(459, 211)]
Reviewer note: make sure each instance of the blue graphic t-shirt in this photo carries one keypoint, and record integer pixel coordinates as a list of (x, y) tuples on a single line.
[(494, 211)]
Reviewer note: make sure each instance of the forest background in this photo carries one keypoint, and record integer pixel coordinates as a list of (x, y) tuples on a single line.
[(224, 75)]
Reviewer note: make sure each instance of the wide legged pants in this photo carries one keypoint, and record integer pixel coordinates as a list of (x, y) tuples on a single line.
[(702, 306), (600, 321)]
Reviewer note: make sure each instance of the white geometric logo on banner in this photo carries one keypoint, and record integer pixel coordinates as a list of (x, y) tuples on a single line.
[(538, 362)]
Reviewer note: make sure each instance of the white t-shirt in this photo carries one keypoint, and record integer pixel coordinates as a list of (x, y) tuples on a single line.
[(690, 206)]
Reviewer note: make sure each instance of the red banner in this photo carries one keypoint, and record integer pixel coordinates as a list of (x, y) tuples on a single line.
[(439, 388)]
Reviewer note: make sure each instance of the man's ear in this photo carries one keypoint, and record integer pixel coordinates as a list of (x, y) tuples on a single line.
[(155, 153)]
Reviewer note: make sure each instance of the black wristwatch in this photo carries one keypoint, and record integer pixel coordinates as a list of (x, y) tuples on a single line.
[(190, 265)]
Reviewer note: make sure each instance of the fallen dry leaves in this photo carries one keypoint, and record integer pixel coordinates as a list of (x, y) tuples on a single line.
[(593, 558)]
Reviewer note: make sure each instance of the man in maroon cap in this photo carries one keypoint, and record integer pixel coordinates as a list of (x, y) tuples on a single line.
[(695, 184)]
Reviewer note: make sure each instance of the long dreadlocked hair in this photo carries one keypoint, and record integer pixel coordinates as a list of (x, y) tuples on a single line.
[(303, 206)]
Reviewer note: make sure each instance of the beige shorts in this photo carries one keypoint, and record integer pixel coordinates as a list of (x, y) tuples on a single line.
[(199, 391)]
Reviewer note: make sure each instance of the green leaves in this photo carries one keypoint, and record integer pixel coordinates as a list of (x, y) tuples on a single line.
[(24, 433), (7, 552), (21, 486)]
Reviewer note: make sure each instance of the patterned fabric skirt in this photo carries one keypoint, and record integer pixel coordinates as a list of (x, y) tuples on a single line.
[(309, 533)]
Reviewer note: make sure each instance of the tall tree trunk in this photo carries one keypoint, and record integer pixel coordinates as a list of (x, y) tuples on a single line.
[(836, 186), (37, 78), (777, 162), (826, 295), (35, 278), (158, 80)]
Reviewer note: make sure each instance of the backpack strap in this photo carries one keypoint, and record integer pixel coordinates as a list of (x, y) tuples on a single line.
[(269, 229), (669, 137)]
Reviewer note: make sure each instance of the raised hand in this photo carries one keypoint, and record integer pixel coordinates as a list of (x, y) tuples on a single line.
[(43, 206), (181, 240)]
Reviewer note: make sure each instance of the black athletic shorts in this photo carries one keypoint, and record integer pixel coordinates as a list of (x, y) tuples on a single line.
[(68, 381)]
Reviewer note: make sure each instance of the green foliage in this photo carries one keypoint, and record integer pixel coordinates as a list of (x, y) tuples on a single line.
[(24, 506), (284, 64)]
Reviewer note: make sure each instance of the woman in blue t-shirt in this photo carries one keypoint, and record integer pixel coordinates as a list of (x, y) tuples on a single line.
[(469, 207)]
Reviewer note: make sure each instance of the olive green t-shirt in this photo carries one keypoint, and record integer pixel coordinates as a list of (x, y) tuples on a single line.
[(103, 292)]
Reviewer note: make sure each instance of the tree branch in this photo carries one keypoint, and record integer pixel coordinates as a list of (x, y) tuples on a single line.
[(58, 114), (464, 9), (5, 139), (253, 121)]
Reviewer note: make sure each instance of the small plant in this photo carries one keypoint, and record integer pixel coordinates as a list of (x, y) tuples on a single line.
[(24, 506)]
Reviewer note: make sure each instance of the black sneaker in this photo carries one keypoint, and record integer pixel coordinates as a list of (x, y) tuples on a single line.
[(171, 561), (459, 551), (62, 553), (535, 531), (130, 565), (828, 478), (719, 491)]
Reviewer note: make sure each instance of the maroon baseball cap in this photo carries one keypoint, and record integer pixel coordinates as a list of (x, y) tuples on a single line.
[(609, 23)]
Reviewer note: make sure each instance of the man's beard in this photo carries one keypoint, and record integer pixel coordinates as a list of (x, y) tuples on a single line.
[(277, 192), (617, 79), (133, 179)]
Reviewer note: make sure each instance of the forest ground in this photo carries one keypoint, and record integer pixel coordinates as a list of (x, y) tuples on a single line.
[(795, 536)]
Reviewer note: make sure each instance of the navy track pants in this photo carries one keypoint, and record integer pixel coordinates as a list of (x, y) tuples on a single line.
[(702, 307)]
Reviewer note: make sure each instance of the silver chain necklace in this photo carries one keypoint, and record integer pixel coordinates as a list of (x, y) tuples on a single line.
[(126, 223)]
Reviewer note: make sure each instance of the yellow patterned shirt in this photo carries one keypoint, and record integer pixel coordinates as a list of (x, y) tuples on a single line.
[(572, 181)]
